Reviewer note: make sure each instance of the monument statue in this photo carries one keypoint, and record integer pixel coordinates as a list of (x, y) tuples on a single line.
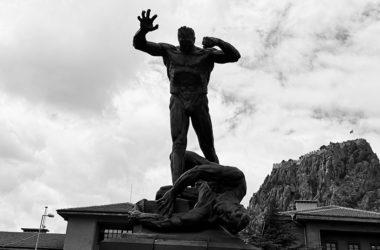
[(188, 69), (220, 191), (212, 192)]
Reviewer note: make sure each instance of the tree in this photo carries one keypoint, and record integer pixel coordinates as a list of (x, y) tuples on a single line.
[(273, 233)]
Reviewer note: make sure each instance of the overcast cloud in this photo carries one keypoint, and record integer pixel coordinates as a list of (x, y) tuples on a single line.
[(84, 116)]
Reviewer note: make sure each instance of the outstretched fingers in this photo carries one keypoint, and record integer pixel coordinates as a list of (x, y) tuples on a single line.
[(146, 22)]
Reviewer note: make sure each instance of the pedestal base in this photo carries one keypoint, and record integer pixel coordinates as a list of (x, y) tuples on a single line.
[(215, 239)]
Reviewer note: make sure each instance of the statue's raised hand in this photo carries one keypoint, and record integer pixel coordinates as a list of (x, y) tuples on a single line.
[(146, 22)]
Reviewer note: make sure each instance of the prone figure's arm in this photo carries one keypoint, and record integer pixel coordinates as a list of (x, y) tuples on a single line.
[(224, 175)]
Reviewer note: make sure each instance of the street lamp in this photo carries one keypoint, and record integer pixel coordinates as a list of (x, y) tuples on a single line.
[(42, 225)]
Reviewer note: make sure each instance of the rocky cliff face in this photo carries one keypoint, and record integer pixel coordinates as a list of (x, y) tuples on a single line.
[(345, 174)]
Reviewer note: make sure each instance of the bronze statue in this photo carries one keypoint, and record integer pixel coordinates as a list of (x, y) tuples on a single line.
[(188, 69), (220, 191)]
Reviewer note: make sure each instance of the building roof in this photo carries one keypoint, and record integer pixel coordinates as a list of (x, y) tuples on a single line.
[(119, 209), (42, 230), (305, 201), (24, 240), (336, 213)]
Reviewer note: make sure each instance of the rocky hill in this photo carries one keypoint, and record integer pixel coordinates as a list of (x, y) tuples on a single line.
[(345, 174)]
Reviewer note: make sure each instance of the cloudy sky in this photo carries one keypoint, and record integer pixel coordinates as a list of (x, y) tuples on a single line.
[(84, 117)]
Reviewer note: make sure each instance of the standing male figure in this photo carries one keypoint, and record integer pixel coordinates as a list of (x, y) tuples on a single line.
[(188, 69)]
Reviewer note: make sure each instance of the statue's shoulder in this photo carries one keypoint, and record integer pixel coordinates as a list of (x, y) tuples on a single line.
[(168, 46)]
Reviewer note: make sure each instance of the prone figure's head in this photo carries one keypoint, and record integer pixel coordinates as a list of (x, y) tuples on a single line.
[(232, 215), (186, 39)]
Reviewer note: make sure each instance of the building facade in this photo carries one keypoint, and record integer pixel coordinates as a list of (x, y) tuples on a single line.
[(334, 227), (27, 240), (109, 227)]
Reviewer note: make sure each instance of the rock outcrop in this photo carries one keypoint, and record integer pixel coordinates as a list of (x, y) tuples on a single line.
[(345, 174)]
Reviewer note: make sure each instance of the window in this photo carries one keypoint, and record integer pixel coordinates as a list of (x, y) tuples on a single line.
[(375, 246), (113, 231), (353, 246), (331, 246)]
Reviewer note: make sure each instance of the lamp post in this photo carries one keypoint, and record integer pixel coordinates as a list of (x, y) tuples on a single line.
[(42, 225)]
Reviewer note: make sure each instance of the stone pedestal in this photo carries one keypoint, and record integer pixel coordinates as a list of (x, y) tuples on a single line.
[(214, 239), (144, 238)]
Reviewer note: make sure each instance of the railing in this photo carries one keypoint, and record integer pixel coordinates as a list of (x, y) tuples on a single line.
[(311, 248)]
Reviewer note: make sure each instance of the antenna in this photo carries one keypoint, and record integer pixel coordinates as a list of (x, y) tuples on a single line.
[(130, 195)]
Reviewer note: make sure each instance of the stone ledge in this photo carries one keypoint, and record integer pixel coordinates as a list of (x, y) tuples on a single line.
[(209, 240)]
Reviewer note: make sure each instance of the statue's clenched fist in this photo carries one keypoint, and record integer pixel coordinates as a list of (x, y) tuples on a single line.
[(209, 42)]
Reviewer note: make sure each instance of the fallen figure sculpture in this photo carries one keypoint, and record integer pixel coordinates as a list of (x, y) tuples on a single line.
[(220, 191)]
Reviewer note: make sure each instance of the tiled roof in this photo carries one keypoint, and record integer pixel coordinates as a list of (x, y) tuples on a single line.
[(336, 212), (110, 208), (23, 240), (305, 201)]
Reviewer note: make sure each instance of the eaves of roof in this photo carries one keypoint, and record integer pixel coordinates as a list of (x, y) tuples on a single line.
[(117, 210), (334, 213)]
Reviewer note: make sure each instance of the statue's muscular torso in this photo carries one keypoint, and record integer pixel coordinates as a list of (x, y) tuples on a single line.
[(188, 73)]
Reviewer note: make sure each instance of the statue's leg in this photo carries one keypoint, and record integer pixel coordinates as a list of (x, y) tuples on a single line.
[(195, 219), (156, 222), (189, 193), (193, 159), (179, 125), (203, 128)]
